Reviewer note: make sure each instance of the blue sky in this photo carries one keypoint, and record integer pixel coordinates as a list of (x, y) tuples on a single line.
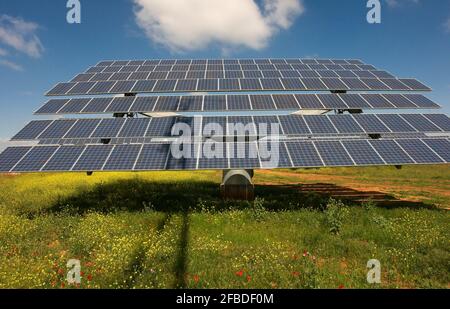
[(38, 48)]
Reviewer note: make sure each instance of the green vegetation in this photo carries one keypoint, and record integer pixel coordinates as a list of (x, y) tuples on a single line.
[(164, 230)]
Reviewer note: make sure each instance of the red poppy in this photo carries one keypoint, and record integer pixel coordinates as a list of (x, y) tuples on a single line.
[(89, 277), (63, 285), (196, 278), (295, 273), (249, 278), (82, 273), (240, 273), (60, 271), (341, 287), (305, 253)]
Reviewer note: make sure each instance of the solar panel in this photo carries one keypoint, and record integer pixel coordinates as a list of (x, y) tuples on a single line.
[(391, 152), (442, 121), (57, 129), (304, 154), (215, 103), (320, 125), (108, 128), (294, 125), (274, 155), (243, 155), (93, 158), (333, 153), (122, 158), (32, 130), (332, 101), (35, 159), (97, 105), (63, 159), (52, 106), (208, 85), (238, 102), (371, 124), (362, 153), (167, 104), (83, 128), (135, 127), (285, 102), (441, 147), (262, 102), (420, 123), (153, 157), (214, 156), (345, 124), (11, 156), (144, 104), (121, 104), (419, 151), (396, 123), (191, 103), (74, 106), (309, 101), (183, 157)]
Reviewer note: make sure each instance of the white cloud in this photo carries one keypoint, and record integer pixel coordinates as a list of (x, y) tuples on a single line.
[(11, 65), (447, 25), (396, 3), (20, 35), (183, 25), (3, 52)]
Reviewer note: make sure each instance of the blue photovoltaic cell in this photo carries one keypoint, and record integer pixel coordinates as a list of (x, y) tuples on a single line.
[(292, 84), (320, 125), (442, 121), (396, 123), (414, 84), (81, 88), (97, 105), (61, 89), (391, 152), (377, 101), (420, 123), (144, 86), (138, 76), (354, 101), (102, 87), (161, 126), (208, 85), (364, 74), (294, 125), (52, 106), (144, 104), (57, 129), (333, 153), (99, 77), (167, 104), (214, 126), (395, 84), (194, 124), (186, 85), (324, 74), (371, 124), (334, 84), (262, 102), (399, 100), (250, 84), (11, 156), (120, 105), (285, 102), (440, 146), (35, 159), (273, 154), (122, 158), (238, 102), (32, 130), (214, 156), (355, 84), (123, 87), (134, 127), (362, 153), (309, 101), (184, 157), (153, 157), (382, 74), (93, 158), (304, 154), (191, 103), (374, 84), (271, 84), (83, 128), (176, 75), (215, 103), (421, 101), (314, 84), (234, 74), (64, 158), (157, 75), (332, 101), (243, 155), (346, 74), (345, 124), (108, 128), (420, 152), (229, 84), (74, 106)]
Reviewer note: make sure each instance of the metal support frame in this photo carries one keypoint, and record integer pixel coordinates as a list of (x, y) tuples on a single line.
[(238, 185)]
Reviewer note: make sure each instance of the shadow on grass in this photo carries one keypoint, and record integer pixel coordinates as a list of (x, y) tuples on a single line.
[(137, 195)]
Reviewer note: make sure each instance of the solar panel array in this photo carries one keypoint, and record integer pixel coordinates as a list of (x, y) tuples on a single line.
[(293, 154), (292, 125), (212, 103), (147, 143)]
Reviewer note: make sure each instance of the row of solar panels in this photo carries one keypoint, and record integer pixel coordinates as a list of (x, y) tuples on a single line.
[(246, 84), (225, 156), (228, 61), (144, 74), (235, 126), (213, 103)]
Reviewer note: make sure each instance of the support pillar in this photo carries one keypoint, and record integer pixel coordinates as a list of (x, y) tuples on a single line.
[(238, 185)]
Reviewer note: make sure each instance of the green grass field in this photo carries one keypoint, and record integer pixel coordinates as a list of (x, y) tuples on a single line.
[(172, 230)]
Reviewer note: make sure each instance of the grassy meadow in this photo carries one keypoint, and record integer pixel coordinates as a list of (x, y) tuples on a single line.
[(172, 230)]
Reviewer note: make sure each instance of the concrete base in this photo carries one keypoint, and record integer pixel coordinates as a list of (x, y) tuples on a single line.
[(238, 185)]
